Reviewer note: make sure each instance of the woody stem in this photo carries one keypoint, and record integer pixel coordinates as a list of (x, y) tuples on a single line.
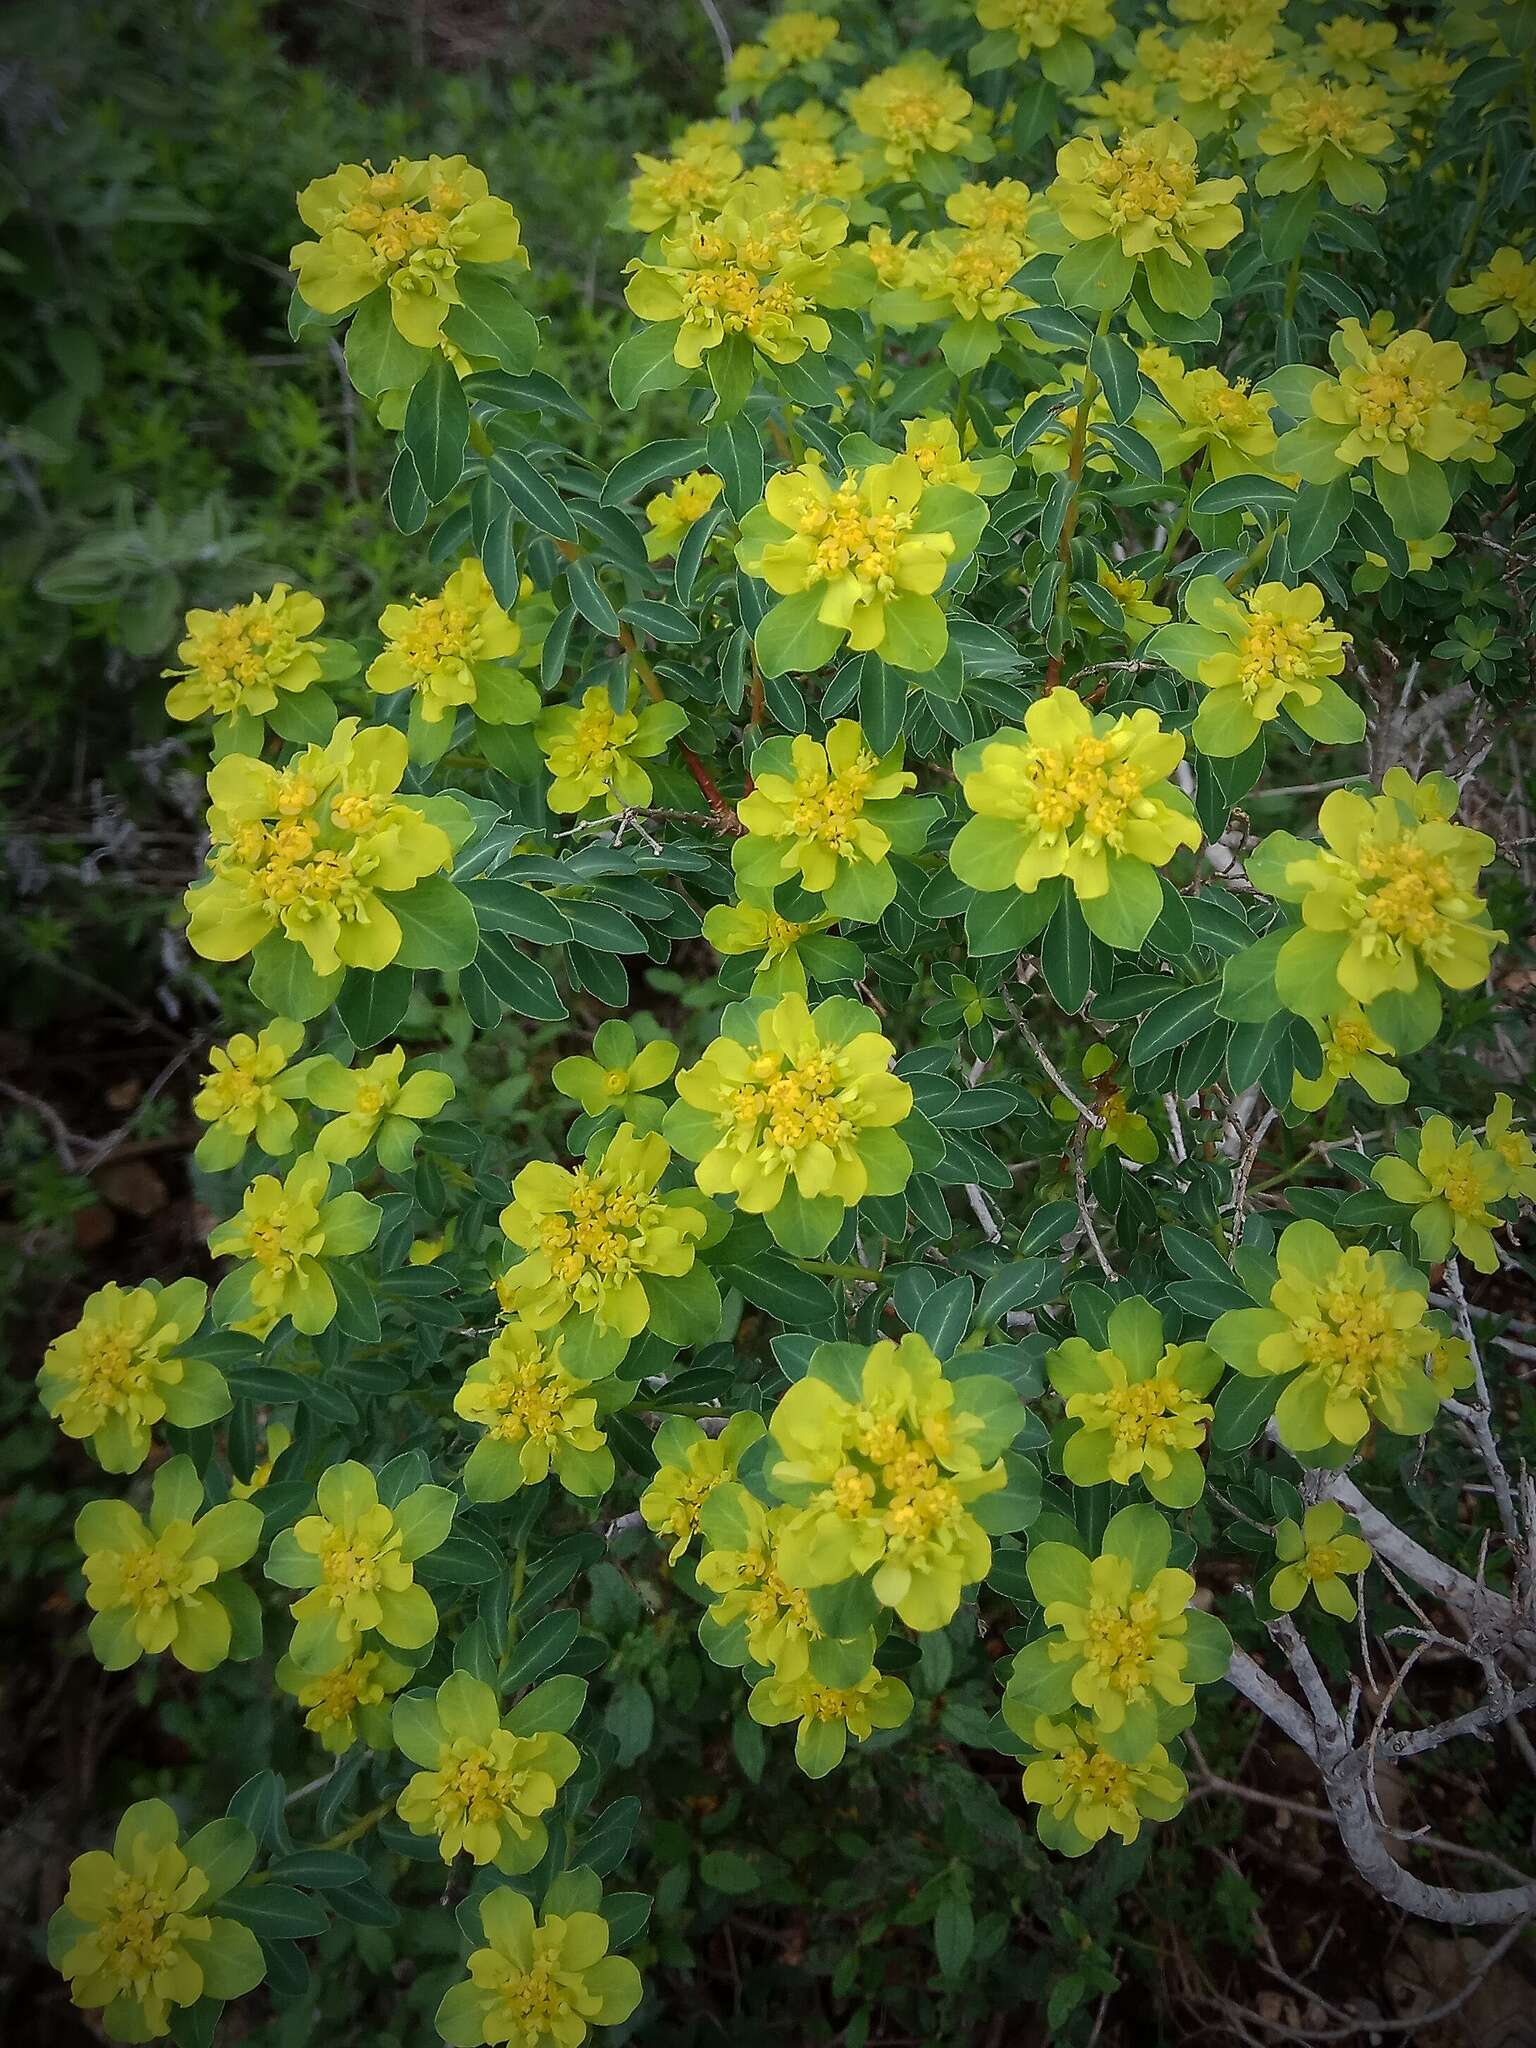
[(721, 810)]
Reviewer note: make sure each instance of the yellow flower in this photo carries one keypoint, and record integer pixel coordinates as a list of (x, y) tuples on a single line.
[(167, 1584), (884, 1458), (759, 269), (485, 1781), (1483, 422), (538, 1983), (1122, 1639), (1229, 424), (756, 1615), (1140, 615), (1393, 398), (829, 1715), (1388, 902), (857, 559), (1450, 1182), (1083, 1791), (1352, 48), (236, 661), (666, 190), (353, 1562), (1513, 1146), (621, 1076), (689, 1466), (312, 852), (1346, 1330), (603, 1247), (1318, 1555), (374, 1106), (248, 1092), (914, 112), (962, 277), (349, 1704), (1120, 105), (124, 1366), (1320, 133), (285, 1234), (593, 752), (672, 513), (1352, 1050), (801, 36), (830, 815), (136, 1934), (1140, 1405), (793, 1111), (811, 122), (737, 928), (1040, 25), (447, 651), (1147, 200), (1218, 76), (934, 445), (537, 1418), (1520, 383), (1256, 654), (406, 229), (1082, 795), (1004, 207), (1423, 78)]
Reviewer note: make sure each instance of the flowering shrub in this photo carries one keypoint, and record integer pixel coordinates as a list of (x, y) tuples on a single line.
[(1039, 475)]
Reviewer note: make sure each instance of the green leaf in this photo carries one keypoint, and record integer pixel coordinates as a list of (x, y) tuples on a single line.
[(437, 925), (408, 503), (1066, 956), (649, 465), (1316, 519), (538, 502), (954, 1932), (792, 638), (590, 598), (526, 988), (799, 1300), (732, 369), (371, 1006), (1248, 982), (503, 905), (663, 622), (1241, 1410), (436, 430), (1174, 1021), (276, 1912), (734, 452), (1283, 221), (730, 1872), (882, 702), (1114, 363), (284, 981), (1418, 503), (1243, 494), (644, 363), (489, 321), (379, 358), (1095, 275)]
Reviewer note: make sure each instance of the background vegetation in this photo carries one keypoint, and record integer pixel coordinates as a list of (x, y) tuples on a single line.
[(165, 445)]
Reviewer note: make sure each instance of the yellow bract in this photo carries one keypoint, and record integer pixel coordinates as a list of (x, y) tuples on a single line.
[(433, 645), (1147, 193), (802, 1099), (407, 229), (591, 1235), (313, 849), (671, 513), (916, 109), (236, 661), (124, 1367)]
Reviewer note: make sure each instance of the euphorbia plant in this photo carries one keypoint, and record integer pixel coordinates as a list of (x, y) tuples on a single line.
[(1013, 463)]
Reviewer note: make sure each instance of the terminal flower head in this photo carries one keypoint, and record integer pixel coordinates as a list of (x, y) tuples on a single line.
[(1324, 132), (536, 1418), (1503, 291), (137, 1937), (353, 1562), (285, 1234), (1513, 1145), (1083, 1790), (689, 1466), (1346, 1329), (622, 1075), (1145, 198), (1318, 1556), (1450, 1179), (484, 1781), (405, 230), (883, 1457), (376, 1105), (449, 650), (1139, 1404), (756, 1615), (1256, 654), (249, 1092), (674, 512), (1352, 1050), (1229, 423), (594, 751), (162, 1584), (127, 1364), (915, 112), (829, 1717), (795, 1112), (537, 1983), (234, 662), (1079, 794), (349, 1703)]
